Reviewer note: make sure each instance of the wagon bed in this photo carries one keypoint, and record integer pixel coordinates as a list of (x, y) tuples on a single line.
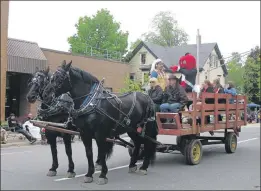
[(189, 140), (179, 129)]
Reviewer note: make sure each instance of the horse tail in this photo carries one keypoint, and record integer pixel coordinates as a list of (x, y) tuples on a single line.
[(108, 149)]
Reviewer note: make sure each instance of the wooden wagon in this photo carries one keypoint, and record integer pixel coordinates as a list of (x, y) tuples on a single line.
[(189, 140)]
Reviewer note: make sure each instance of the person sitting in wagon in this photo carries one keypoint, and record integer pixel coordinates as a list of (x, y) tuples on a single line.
[(218, 88), (231, 90), (157, 71), (174, 97), (156, 93)]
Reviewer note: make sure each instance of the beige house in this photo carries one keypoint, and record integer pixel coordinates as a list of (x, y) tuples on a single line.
[(211, 64)]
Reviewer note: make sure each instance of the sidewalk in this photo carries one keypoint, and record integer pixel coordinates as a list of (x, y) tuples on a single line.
[(14, 139), (252, 125), (16, 142)]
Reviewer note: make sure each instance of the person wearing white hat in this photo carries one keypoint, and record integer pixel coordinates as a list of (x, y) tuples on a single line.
[(157, 71), (156, 93)]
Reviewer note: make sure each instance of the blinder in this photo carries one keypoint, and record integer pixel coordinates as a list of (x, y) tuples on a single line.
[(58, 78), (36, 80)]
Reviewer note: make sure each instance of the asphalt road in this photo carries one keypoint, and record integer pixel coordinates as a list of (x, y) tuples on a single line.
[(25, 168)]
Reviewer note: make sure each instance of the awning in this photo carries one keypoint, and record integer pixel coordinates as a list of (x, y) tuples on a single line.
[(24, 56)]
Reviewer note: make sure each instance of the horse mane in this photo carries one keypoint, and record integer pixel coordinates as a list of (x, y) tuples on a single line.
[(85, 76)]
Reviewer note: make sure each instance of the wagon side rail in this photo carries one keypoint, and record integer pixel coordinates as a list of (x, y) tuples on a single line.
[(204, 109)]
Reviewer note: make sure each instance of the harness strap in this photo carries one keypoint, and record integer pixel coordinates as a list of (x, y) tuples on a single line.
[(127, 117), (87, 97)]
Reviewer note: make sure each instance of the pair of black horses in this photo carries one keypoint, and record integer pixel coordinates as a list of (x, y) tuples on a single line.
[(98, 115)]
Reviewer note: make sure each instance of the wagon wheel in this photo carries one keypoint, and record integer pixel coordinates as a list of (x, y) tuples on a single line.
[(193, 152), (141, 153), (231, 142), (181, 143)]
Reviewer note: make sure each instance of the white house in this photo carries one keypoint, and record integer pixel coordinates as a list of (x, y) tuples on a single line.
[(211, 64)]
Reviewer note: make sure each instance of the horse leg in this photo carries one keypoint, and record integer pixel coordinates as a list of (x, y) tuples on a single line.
[(51, 138), (68, 149), (98, 165), (102, 148), (135, 154), (87, 141), (149, 155)]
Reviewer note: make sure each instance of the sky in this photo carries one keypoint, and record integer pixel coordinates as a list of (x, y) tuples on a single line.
[(234, 25)]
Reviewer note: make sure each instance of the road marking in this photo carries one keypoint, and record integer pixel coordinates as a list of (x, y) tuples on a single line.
[(243, 141), (2, 154), (81, 175), (222, 145)]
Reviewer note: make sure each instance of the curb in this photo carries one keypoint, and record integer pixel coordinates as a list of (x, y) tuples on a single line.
[(19, 144), (252, 125)]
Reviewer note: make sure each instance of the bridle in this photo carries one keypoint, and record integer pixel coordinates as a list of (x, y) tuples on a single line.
[(40, 84), (58, 82)]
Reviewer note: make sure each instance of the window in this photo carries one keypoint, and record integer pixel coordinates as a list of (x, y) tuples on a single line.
[(216, 62), (213, 61), (210, 61), (132, 76), (206, 77), (143, 58)]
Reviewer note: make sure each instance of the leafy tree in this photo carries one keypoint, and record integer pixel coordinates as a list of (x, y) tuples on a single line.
[(102, 33), (131, 86), (237, 58), (165, 31), (251, 77), (236, 71), (133, 45)]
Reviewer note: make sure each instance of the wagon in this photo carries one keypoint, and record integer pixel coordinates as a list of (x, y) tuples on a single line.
[(189, 141), (188, 136)]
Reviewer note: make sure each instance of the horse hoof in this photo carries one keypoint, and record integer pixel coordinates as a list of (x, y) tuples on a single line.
[(88, 179), (132, 169), (51, 173), (142, 172), (71, 174), (98, 167), (102, 181)]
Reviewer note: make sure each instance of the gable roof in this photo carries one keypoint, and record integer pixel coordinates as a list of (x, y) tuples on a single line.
[(171, 55), (24, 49)]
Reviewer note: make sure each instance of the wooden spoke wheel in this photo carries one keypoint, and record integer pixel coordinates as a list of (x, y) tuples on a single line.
[(231, 142), (141, 152), (193, 152)]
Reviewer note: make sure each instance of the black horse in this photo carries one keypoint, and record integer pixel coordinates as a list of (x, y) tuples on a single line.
[(103, 115), (36, 86)]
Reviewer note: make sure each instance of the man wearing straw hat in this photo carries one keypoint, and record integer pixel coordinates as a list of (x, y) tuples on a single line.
[(156, 93)]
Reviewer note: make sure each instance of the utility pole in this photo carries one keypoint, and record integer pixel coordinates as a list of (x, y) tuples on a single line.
[(198, 47)]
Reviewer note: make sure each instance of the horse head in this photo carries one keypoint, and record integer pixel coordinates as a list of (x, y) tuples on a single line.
[(37, 84), (69, 79)]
